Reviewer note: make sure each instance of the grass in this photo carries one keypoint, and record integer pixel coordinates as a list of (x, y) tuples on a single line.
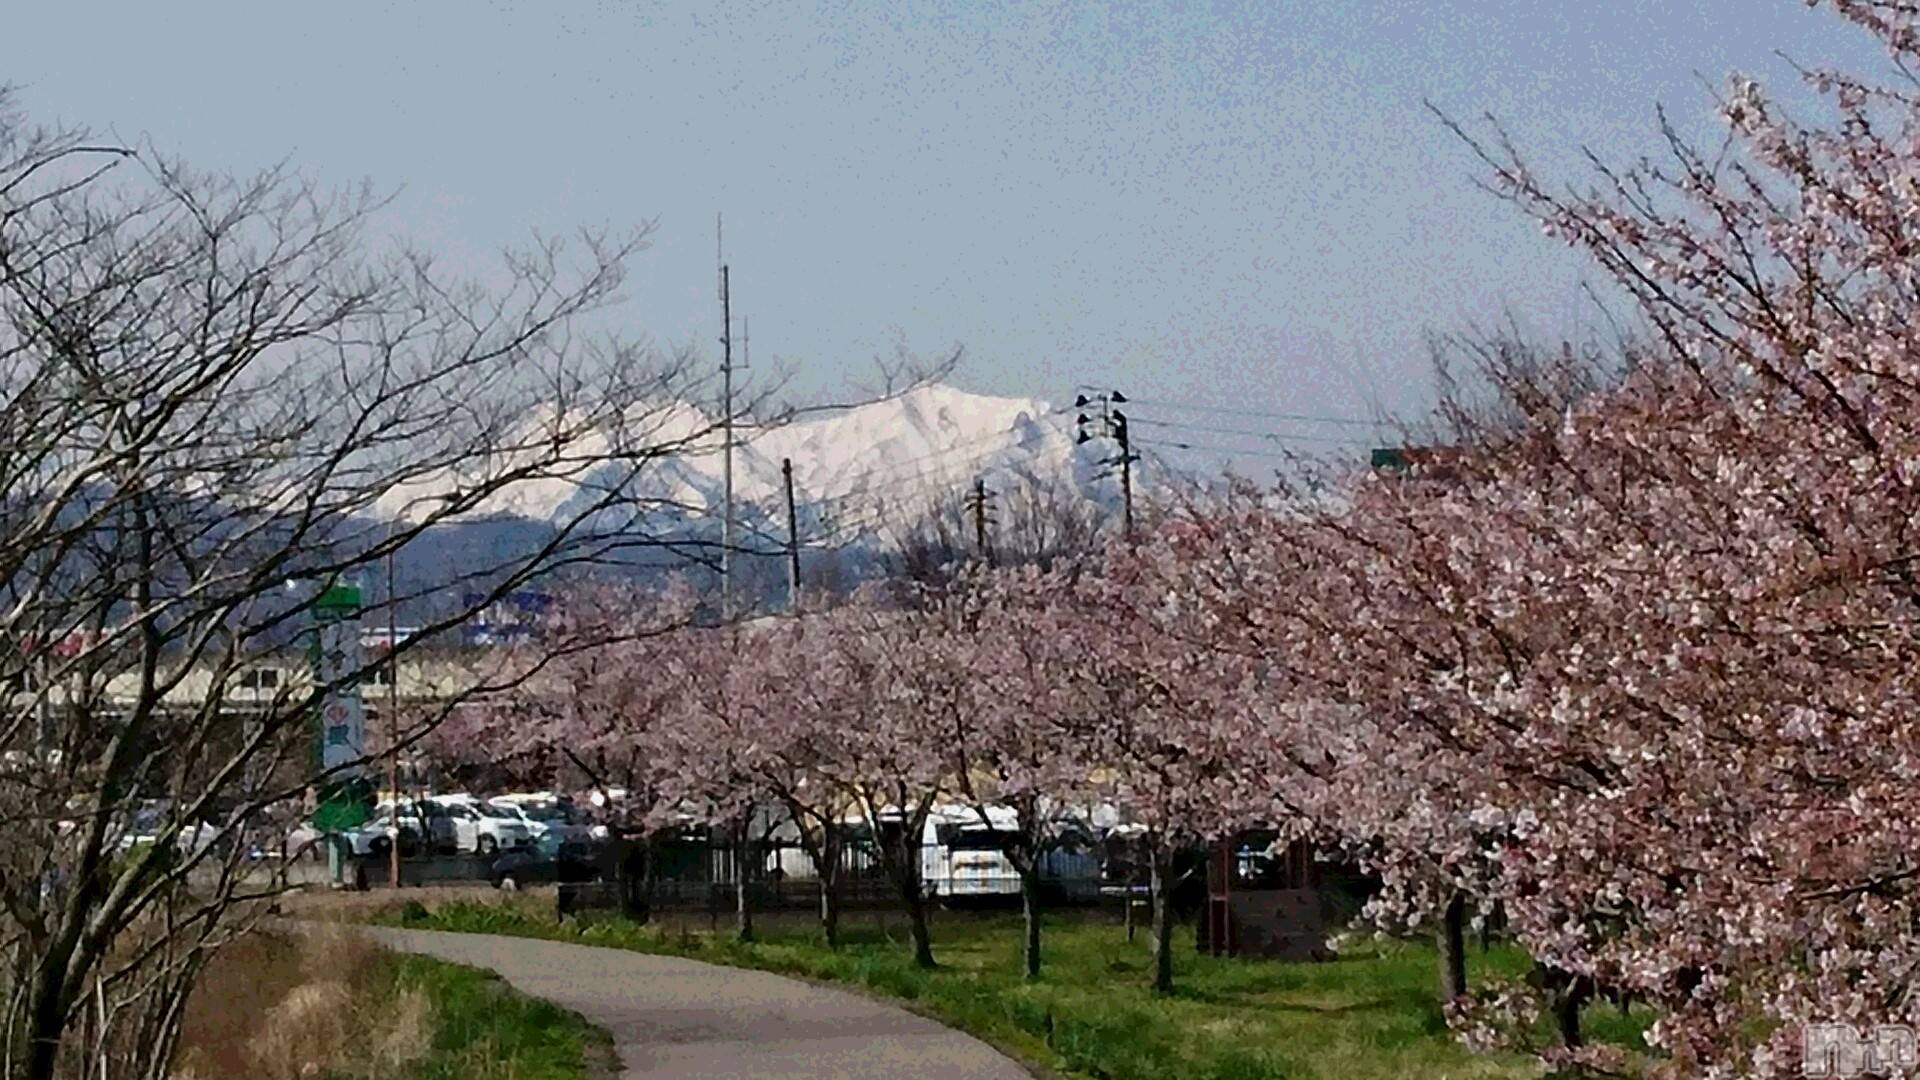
[(1092, 1014), (332, 1005), (484, 1030)]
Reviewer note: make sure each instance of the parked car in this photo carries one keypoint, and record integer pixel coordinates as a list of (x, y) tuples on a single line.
[(552, 820), (482, 828), (378, 835), (429, 818)]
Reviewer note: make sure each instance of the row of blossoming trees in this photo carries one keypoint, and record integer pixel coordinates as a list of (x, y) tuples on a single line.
[(1634, 666)]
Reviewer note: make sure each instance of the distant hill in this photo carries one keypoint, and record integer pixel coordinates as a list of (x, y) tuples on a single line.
[(861, 474)]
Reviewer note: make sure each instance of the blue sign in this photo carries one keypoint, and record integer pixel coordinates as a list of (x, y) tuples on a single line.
[(515, 617)]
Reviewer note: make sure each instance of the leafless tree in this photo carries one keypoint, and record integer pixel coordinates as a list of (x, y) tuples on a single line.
[(212, 401)]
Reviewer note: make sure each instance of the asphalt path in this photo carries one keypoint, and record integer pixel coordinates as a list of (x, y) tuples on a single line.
[(682, 1018)]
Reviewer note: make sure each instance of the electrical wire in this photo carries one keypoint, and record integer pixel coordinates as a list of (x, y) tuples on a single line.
[(1228, 450), (1273, 436), (1228, 410)]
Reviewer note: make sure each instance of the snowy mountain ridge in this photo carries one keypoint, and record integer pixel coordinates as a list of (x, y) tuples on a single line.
[(899, 454)]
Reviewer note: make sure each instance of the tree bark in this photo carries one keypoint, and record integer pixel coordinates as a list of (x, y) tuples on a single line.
[(45, 1024), (906, 876), (920, 927), (1450, 938), (825, 852), (1569, 996), (636, 881), (900, 858), (743, 902), (1161, 885), (1030, 907), (830, 912), (1126, 905)]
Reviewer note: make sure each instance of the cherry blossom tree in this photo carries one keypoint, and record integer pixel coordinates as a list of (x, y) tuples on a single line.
[(1703, 579), (1021, 748), (1167, 721), (784, 740), (907, 689), (579, 704)]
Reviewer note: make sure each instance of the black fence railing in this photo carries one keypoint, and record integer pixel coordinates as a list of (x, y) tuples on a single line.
[(705, 875)]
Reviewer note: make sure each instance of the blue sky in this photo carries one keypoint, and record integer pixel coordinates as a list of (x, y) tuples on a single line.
[(1240, 205)]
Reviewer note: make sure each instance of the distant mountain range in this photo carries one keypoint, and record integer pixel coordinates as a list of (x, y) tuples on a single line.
[(861, 474)]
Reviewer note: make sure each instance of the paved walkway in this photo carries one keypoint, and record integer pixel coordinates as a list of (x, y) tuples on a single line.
[(683, 1018)]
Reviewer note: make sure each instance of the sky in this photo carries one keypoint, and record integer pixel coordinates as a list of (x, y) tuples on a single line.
[(1231, 209)]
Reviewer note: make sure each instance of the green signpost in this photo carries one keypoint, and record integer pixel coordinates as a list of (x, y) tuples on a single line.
[(346, 801)]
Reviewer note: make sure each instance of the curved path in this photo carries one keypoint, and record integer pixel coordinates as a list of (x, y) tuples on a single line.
[(683, 1018)]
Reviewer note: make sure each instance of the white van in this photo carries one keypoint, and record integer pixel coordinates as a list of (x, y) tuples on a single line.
[(963, 857)]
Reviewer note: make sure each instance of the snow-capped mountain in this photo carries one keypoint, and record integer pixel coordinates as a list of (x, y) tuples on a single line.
[(894, 457), (862, 475)]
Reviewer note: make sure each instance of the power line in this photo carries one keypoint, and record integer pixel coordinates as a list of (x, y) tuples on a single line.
[(1230, 451), (1275, 436), (1113, 425), (863, 515), (1227, 410)]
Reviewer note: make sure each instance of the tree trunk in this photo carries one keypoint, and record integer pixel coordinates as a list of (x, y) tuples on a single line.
[(1126, 905), (1569, 995), (900, 858), (826, 856), (922, 930), (1030, 907), (45, 1023), (1162, 901), (1450, 937), (743, 903), (636, 881), (830, 912)]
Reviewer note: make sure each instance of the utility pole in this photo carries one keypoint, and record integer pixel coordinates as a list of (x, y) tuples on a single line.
[(393, 716), (1114, 426), (977, 502), (743, 906), (726, 426), (793, 539), (42, 679), (39, 668)]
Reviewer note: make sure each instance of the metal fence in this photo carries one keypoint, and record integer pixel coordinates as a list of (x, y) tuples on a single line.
[(703, 874)]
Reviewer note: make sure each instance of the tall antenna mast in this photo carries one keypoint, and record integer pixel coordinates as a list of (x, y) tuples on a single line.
[(726, 424)]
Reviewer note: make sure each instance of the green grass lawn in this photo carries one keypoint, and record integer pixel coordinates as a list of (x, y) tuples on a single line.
[(1091, 1014), (482, 1030)]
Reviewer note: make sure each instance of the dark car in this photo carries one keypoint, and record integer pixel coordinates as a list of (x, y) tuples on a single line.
[(572, 861)]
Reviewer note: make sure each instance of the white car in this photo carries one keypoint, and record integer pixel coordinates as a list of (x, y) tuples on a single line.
[(378, 835), (551, 820), (482, 828), (425, 817)]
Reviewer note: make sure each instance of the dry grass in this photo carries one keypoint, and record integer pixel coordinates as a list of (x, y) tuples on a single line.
[(289, 1006), (323, 905), (327, 1002)]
